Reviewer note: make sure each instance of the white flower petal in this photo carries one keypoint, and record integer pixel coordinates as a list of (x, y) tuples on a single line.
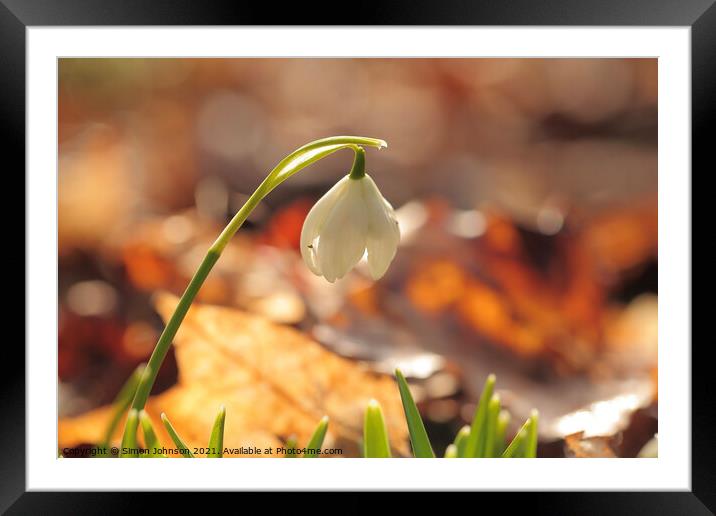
[(352, 217), (342, 239), (380, 256), (383, 230), (314, 223), (378, 207)]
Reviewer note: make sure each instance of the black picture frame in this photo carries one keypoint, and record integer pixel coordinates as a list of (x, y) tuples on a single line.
[(700, 15)]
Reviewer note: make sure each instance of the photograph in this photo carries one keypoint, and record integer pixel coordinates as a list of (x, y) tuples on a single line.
[(357, 257), (459, 233)]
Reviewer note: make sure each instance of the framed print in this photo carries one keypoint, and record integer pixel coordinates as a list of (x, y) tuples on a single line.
[(458, 233)]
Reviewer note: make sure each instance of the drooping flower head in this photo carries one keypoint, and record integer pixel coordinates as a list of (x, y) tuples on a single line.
[(350, 219)]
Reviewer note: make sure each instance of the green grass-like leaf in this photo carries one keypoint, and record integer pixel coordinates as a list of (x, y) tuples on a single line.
[(475, 446), (129, 440), (451, 451), (291, 444), (418, 436), (150, 437), (121, 403), (316, 440), (493, 412), (375, 434), (184, 449), (216, 441), (485, 437), (531, 441), (516, 448), (503, 421), (461, 440)]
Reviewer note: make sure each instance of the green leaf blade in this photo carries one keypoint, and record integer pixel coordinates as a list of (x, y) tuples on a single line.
[(183, 448), (316, 441), (503, 421), (129, 440), (121, 403), (493, 412), (150, 437), (475, 446), (418, 436), (516, 448), (532, 436), (461, 440), (291, 446), (451, 451), (375, 434), (216, 440)]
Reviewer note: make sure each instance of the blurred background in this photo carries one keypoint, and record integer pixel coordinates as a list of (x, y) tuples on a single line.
[(525, 190)]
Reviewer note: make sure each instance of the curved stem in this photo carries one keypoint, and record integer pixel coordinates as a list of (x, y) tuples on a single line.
[(358, 169), (238, 220), (165, 339), (287, 167)]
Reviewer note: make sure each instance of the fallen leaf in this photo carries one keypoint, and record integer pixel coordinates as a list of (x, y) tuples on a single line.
[(273, 380), (576, 445)]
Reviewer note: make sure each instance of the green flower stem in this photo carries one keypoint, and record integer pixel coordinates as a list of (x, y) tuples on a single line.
[(238, 220), (291, 164), (358, 169)]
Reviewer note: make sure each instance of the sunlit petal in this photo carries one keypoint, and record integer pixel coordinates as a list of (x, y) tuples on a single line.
[(314, 223), (383, 230), (342, 241), (351, 218)]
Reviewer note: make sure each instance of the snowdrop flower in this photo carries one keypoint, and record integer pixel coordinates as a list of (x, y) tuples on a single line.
[(350, 219)]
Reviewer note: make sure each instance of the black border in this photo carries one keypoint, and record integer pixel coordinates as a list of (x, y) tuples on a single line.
[(16, 15)]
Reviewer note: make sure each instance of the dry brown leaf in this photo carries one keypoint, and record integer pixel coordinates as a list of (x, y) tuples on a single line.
[(576, 445), (273, 380)]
